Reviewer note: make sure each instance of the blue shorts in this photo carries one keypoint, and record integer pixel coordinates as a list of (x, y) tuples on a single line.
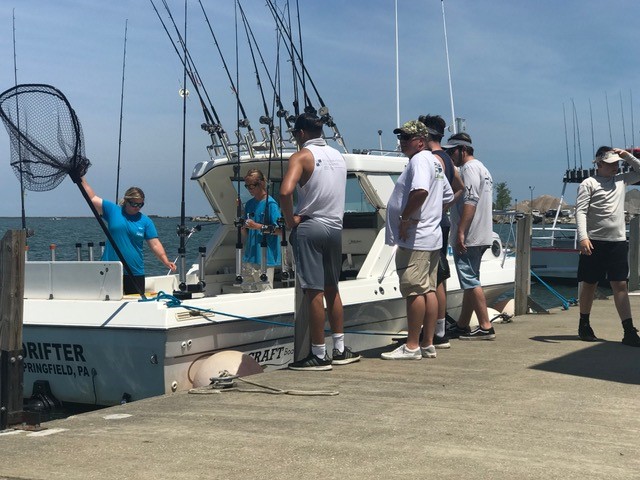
[(468, 266), (318, 254)]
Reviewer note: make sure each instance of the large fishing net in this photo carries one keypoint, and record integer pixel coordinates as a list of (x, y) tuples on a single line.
[(45, 135), (47, 144)]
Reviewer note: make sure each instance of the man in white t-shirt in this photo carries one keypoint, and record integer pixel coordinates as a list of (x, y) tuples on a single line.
[(471, 236), (414, 211)]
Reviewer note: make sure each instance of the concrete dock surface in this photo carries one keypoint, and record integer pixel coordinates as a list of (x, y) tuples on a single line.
[(536, 403)]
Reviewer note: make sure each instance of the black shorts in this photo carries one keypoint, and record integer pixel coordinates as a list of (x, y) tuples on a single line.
[(609, 260), (444, 271)]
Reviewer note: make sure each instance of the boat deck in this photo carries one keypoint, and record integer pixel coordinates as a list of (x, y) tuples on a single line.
[(536, 403)]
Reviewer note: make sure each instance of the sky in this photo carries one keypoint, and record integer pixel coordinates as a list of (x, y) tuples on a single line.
[(520, 72)]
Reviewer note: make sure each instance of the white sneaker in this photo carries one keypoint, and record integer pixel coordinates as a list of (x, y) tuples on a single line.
[(402, 353), (428, 352)]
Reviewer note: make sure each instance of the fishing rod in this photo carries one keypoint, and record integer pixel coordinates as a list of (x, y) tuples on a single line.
[(296, 97), (212, 125), (244, 121), (624, 129), (15, 82), (606, 99), (293, 54), (323, 112), (124, 59), (281, 112), (239, 221), (266, 119), (575, 116), (304, 83), (182, 230)]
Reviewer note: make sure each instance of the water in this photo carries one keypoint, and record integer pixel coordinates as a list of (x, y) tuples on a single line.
[(65, 232)]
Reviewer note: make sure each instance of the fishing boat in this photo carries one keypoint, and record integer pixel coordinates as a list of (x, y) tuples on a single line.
[(95, 346), (85, 342)]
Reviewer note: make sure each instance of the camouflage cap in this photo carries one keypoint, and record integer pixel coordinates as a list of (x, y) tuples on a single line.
[(413, 128)]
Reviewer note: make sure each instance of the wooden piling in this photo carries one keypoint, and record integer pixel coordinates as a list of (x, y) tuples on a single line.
[(522, 288), (12, 262), (634, 253)]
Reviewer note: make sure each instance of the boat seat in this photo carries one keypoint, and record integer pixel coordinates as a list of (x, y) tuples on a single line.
[(65, 280)]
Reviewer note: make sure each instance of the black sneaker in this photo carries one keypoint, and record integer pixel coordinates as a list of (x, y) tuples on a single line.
[(631, 338), (312, 363), (441, 342), (585, 332), (479, 334), (344, 358), (455, 331)]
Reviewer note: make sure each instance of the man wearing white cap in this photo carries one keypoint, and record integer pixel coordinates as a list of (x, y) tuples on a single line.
[(471, 236), (602, 238)]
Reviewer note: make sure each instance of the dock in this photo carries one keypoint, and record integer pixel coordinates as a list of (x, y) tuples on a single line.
[(536, 403)]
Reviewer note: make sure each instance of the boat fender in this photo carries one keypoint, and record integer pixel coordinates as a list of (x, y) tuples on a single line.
[(234, 362), (474, 318)]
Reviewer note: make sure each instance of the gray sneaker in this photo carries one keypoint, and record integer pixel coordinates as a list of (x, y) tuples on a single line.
[(346, 357), (428, 352), (402, 353)]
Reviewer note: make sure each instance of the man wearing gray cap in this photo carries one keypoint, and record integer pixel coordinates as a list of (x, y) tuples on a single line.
[(602, 238), (414, 211), (471, 235)]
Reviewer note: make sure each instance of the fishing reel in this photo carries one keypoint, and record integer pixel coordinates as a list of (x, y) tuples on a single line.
[(243, 122), (264, 120), (282, 113), (211, 128), (268, 229), (239, 222)]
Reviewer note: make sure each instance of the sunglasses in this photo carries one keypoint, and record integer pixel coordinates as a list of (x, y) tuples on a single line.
[(405, 136), (135, 204), (249, 186)]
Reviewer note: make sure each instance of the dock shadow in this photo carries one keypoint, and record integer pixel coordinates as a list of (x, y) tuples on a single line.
[(610, 361)]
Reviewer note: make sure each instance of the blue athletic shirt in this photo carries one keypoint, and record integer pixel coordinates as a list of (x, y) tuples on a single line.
[(129, 233), (255, 210)]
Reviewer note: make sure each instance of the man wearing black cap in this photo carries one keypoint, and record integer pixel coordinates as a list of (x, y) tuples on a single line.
[(436, 125), (471, 235), (318, 173), (414, 211), (600, 226)]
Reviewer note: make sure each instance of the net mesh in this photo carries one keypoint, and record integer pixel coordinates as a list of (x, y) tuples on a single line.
[(45, 135)]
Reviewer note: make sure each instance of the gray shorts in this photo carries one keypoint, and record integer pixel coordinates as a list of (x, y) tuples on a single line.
[(318, 253)]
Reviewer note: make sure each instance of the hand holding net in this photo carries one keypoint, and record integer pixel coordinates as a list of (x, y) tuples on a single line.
[(45, 136)]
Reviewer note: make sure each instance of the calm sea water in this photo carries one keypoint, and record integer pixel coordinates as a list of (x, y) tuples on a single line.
[(65, 232)]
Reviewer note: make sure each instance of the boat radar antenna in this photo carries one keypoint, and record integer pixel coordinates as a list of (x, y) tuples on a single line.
[(47, 144)]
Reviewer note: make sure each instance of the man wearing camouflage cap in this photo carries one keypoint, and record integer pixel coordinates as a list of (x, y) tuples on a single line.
[(414, 211)]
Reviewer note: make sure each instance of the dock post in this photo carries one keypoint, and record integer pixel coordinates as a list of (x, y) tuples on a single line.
[(12, 247), (522, 288), (634, 253), (302, 334)]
